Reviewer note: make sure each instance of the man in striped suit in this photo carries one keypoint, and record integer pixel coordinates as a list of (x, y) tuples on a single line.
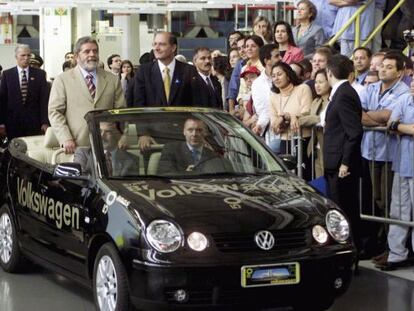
[(23, 98)]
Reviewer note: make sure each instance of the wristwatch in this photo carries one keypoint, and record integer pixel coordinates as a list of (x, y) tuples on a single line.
[(394, 125)]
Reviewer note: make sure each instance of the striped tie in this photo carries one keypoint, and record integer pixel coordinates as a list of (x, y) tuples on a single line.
[(91, 86), (24, 87)]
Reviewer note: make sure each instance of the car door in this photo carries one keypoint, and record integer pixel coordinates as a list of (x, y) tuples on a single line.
[(53, 215)]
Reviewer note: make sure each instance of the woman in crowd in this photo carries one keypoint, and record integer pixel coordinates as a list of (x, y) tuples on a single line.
[(222, 71), (284, 37), (313, 120), (233, 57), (253, 45), (308, 35), (126, 75), (289, 100), (262, 28)]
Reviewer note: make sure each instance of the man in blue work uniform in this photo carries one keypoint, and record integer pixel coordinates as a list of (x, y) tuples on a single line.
[(402, 200)]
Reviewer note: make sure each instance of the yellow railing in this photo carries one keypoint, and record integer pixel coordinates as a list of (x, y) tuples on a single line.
[(354, 17), (378, 28)]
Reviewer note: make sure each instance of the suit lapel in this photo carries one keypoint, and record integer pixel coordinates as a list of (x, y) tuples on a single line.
[(17, 79), (102, 82), (158, 83), (175, 82), (77, 75)]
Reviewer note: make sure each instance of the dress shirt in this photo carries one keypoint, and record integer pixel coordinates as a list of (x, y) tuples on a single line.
[(361, 77), (234, 83), (312, 38), (404, 154), (171, 67), (199, 150), (372, 100), (86, 73), (20, 71), (204, 77), (334, 89), (261, 98)]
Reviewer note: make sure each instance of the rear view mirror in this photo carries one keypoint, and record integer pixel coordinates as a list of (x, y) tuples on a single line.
[(289, 161), (69, 170)]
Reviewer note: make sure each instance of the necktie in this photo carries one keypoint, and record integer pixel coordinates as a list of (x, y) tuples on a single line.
[(24, 86), (108, 161), (195, 154), (167, 82), (209, 83), (91, 86)]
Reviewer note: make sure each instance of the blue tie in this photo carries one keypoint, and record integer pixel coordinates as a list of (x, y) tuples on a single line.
[(195, 154)]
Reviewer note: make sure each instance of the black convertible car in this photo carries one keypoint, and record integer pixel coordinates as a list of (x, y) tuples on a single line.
[(172, 208)]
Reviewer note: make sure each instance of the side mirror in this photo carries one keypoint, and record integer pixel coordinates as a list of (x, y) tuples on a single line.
[(289, 161), (69, 170)]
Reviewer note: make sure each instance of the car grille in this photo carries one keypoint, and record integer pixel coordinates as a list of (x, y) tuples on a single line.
[(237, 242)]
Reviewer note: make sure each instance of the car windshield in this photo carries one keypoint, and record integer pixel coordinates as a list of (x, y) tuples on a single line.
[(180, 144)]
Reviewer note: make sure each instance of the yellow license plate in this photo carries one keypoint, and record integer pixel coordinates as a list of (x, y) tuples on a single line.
[(270, 275)]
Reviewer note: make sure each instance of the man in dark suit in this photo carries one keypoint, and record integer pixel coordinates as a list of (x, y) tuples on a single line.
[(118, 162), (206, 87), (192, 155), (23, 98), (342, 141), (164, 82)]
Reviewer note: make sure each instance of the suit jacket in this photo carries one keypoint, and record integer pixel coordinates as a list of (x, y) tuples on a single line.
[(70, 100), (343, 130), (27, 119), (203, 95), (148, 87), (124, 163), (176, 158)]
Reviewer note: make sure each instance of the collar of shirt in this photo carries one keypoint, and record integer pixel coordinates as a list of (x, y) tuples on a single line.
[(20, 70), (85, 73), (204, 77), (335, 88), (191, 148), (361, 78), (170, 66)]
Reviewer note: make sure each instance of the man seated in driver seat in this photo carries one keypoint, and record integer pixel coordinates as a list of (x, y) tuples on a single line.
[(191, 155), (119, 162)]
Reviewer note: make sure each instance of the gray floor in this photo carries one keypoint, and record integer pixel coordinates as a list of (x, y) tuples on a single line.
[(43, 290)]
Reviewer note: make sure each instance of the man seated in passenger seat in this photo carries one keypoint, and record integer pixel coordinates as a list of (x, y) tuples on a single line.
[(191, 155), (119, 162)]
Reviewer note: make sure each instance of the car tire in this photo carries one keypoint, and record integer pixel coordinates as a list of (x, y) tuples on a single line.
[(10, 255), (110, 282)]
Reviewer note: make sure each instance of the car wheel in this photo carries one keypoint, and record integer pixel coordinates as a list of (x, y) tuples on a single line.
[(110, 281), (10, 256)]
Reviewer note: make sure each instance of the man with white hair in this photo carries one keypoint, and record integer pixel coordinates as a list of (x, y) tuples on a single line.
[(23, 98)]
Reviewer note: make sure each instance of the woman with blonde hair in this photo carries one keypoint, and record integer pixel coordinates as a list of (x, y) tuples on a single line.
[(263, 29)]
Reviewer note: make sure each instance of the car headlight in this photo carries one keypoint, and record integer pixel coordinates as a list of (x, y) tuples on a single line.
[(337, 225), (164, 236), (197, 241), (319, 234)]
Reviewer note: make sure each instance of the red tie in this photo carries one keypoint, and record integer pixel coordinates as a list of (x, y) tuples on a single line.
[(91, 86)]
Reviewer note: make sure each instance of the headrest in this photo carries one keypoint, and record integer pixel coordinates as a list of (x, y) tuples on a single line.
[(50, 140)]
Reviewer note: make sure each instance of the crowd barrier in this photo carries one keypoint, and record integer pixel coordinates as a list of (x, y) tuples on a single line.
[(378, 191)]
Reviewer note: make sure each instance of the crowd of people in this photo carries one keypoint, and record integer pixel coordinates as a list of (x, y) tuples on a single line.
[(280, 81)]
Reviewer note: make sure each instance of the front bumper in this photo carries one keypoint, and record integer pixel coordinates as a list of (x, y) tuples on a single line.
[(219, 287)]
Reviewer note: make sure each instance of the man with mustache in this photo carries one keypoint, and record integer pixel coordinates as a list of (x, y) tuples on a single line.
[(206, 87), (80, 90)]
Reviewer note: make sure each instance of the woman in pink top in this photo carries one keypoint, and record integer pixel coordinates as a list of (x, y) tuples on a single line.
[(284, 37)]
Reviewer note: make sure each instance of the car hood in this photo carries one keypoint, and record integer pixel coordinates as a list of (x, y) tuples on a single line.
[(254, 202)]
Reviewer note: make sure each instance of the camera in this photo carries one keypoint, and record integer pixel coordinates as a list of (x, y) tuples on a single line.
[(408, 35)]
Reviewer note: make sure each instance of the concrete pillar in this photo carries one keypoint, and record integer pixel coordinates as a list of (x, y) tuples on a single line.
[(55, 38), (83, 21), (129, 23)]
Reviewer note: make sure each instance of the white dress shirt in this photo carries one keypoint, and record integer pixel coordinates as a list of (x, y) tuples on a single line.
[(261, 98)]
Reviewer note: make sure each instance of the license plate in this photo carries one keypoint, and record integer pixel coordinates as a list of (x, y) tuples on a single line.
[(270, 275)]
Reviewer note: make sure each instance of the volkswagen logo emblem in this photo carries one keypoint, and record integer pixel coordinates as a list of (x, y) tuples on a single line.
[(265, 240)]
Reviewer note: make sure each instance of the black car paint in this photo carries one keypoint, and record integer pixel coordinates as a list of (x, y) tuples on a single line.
[(120, 210)]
